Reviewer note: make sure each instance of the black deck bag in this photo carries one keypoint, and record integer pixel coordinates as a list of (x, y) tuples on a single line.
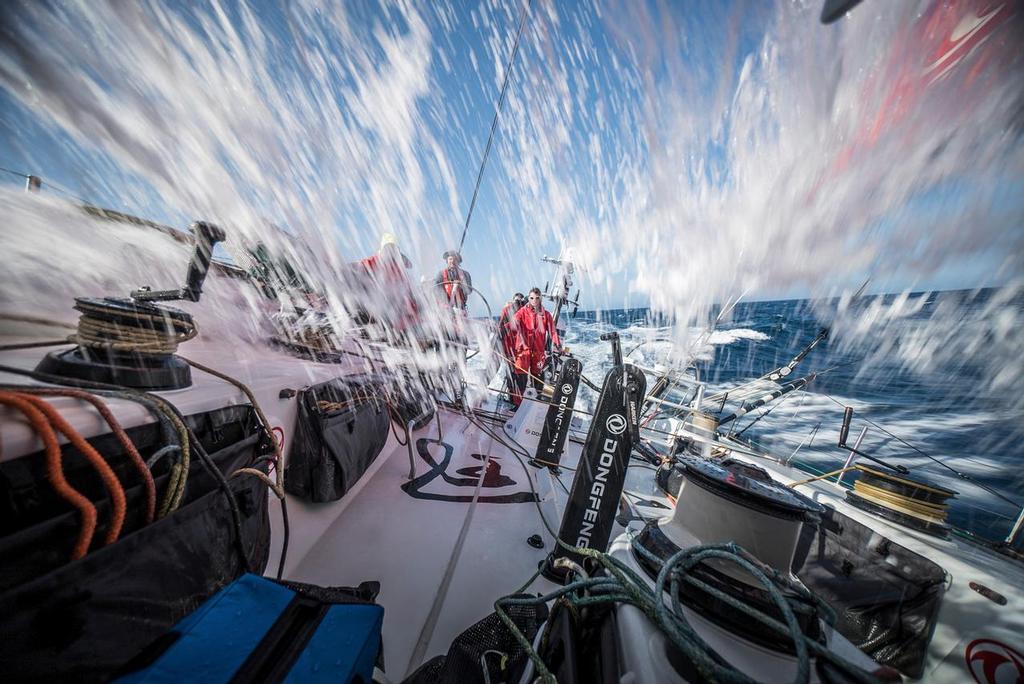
[(81, 621), (886, 597), (258, 630), (482, 643), (339, 432)]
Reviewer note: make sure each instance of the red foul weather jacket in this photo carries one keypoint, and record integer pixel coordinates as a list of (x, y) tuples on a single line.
[(386, 280), (508, 332), (534, 326)]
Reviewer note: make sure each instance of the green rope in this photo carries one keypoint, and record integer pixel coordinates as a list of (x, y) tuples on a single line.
[(175, 491), (622, 584)]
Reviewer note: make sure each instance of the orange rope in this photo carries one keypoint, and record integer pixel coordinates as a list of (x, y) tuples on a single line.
[(55, 472), (110, 480), (122, 437)]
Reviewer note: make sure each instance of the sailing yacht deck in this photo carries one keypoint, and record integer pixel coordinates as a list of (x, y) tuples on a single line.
[(447, 543), (443, 549)]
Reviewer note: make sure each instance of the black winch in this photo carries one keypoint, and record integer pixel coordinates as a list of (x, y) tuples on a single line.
[(890, 492), (734, 501), (752, 488), (720, 612), (132, 342), (905, 500)]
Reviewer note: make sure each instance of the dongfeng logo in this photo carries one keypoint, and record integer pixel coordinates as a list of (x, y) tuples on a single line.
[(616, 424), (566, 388)]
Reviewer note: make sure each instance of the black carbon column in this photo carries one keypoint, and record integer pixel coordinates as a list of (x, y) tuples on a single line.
[(556, 423), (597, 486)]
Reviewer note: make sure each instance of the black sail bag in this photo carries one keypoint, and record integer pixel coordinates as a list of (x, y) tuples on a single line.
[(339, 432)]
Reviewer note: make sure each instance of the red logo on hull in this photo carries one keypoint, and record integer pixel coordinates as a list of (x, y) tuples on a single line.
[(992, 662)]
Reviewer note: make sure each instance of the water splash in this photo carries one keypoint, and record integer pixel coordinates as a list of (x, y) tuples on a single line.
[(688, 155)]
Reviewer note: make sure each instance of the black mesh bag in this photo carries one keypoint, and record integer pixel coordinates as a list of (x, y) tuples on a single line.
[(466, 658)]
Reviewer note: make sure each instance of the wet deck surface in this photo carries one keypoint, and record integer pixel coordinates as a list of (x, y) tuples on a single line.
[(444, 546)]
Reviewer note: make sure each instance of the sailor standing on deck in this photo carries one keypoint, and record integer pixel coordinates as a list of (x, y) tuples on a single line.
[(387, 295), (534, 325), (508, 335), (455, 280)]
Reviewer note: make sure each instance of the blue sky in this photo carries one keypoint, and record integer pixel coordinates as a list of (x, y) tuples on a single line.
[(595, 98)]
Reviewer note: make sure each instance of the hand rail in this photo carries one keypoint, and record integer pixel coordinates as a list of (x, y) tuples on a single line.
[(408, 439)]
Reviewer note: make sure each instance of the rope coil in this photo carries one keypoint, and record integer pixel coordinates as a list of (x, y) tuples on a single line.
[(621, 584), (919, 500), (103, 326)]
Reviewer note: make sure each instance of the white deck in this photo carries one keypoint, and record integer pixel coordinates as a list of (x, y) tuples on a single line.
[(441, 564)]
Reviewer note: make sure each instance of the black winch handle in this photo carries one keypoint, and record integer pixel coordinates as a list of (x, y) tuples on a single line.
[(207, 235), (844, 433), (616, 347)]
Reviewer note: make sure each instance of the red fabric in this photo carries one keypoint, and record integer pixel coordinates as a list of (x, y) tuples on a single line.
[(383, 268), (387, 277), (451, 279), (534, 326), (508, 329)]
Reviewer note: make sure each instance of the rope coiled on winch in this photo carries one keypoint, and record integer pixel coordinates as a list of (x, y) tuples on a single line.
[(622, 585), (919, 500), (140, 332)]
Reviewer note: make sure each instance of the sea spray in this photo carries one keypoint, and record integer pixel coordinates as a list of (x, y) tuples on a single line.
[(689, 155)]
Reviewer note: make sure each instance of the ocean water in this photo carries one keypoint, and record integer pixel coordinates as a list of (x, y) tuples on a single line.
[(944, 410)]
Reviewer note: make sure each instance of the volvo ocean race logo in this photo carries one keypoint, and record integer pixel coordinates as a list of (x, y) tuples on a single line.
[(616, 424)]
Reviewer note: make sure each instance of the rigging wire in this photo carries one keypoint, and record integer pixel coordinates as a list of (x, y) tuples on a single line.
[(49, 184), (19, 174), (770, 409), (494, 122)]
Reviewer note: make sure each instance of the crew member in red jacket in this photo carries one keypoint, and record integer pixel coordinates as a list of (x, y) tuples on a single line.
[(535, 324), (455, 280), (387, 295), (508, 335)]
